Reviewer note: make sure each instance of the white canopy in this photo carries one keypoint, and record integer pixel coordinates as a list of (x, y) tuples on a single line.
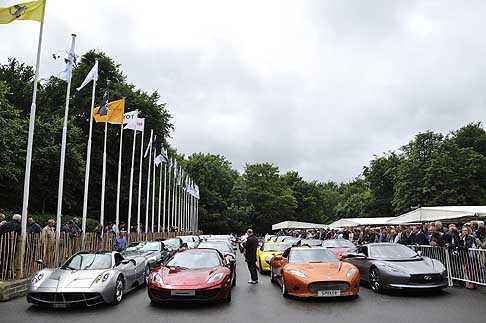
[(439, 213), (297, 225), (356, 222)]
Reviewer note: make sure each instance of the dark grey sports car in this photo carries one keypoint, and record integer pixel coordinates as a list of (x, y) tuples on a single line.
[(87, 279), (394, 266)]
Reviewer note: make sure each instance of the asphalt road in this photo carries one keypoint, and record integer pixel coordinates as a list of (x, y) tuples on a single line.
[(264, 303)]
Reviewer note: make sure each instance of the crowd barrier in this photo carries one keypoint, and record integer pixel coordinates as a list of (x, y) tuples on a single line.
[(467, 265), (53, 252)]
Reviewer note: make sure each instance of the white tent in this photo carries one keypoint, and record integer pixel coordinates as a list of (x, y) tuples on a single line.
[(440, 213), (297, 225), (356, 222)]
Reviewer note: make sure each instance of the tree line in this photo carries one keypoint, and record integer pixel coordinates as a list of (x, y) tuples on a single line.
[(432, 169)]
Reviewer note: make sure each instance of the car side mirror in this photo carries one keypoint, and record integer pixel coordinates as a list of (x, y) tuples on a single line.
[(419, 253), (127, 261), (41, 262), (353, 255), (184, 245)]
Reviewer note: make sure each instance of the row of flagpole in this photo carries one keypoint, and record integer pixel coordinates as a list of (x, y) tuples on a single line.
[(177, 199)]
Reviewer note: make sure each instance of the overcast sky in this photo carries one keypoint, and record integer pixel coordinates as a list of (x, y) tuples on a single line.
[(313, 86)]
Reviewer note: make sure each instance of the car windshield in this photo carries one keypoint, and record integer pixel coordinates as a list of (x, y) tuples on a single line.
[(292, 240), (173, 243), (218, 245), (275, 247), (141, 247), (311, 255), (341, 243), (194, 260), (187, 238), (88, 261), (311, 242), (391, 251), (281, 238)]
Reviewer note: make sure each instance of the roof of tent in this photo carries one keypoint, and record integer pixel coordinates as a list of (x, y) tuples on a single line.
[(297, 225), (439, 213), (355, 222)]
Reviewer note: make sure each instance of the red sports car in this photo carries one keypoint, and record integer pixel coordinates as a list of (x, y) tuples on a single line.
[(193, 274)]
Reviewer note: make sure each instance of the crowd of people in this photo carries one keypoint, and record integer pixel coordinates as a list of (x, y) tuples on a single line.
[(469, 235)]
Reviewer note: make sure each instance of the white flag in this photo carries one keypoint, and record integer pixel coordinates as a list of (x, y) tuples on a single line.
[(130, 118), (158, 160), (138, 126), (149, 145), (92, 76), (68, 69)]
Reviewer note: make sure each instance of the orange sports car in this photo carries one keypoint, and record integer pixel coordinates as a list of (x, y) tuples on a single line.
[(313, 272)]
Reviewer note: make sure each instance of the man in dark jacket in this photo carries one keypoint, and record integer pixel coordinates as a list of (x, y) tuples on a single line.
[(251, 245), (13, 225)]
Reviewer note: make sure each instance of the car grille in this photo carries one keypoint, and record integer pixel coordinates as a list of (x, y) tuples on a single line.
[(164, 294), (426, 279), (88, 299), (329, 285)]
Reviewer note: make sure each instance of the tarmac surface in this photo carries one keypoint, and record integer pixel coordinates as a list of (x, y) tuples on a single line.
[(264, 303)]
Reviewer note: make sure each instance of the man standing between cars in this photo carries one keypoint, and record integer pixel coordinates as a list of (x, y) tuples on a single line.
[(251, 245)]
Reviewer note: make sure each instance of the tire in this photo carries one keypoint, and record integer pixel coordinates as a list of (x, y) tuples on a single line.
[(285, 292), (119, 290), (375, 280), (260, 265), (272, 276), (228, 298), (233, 283), (146, 275)]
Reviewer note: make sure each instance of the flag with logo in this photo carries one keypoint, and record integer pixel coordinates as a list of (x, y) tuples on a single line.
[(115, 115), (33, 10), (139, 125), (130, 118)]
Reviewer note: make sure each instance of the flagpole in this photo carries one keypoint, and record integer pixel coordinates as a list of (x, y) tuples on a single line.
[(117, 217), (160, 195), (30, 141), (169, 218), (63, 154), (140, 182), (88, 164), (147, 199), (174, 193), (154, 183), (165, 190), (130, 190), (103, 176)]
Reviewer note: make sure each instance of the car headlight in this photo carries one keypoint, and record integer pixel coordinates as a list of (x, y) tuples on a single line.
[(102, 278), (352, 272), (157, 278), (268, 259), (37, 278), (215, 278), (390, 269), (297, 273)]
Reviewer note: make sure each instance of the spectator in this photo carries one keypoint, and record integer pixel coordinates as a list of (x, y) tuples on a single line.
[(418, 237), (49, 229), (70, 229), (2, 221), (451, 237), (121, 241), (466, 241), (480, 237), (13, 225), (32, 227)]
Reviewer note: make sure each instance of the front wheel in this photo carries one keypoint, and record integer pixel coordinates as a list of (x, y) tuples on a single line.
[(228, 298), (147, 274), (260, 265), (285, 292), (119, 288), (272, 276), (375, 280)]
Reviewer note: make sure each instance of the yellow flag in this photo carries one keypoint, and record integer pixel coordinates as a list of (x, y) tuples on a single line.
[(23, 11), (116, 109)]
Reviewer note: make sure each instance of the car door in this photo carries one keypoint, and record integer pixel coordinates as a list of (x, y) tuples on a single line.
[(361, 262), (128, 269)]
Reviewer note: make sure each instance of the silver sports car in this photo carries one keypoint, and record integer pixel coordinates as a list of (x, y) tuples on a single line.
[(87, 279), (394, 266)]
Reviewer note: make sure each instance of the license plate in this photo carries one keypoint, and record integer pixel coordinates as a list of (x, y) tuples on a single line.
[(328, 293), (59, 305), (183, 292)]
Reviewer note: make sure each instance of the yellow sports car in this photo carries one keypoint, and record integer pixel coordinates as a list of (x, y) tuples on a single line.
[(265, 253)]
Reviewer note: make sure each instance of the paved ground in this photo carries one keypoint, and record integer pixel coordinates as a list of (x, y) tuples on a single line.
[(264, 303)]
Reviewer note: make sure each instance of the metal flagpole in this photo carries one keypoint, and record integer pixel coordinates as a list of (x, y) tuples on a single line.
[(103, 176), (28, 158), (154, 183), (140, 181), (130, 191), (63, 155), (169, 217), (147, 198), (160, 195), (165, 191), (174, 193), (117, 217), (88, 163)]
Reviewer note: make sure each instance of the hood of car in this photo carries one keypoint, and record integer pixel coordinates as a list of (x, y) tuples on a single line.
[(422, 265), (188, 277), (61, 278), (322, 271)]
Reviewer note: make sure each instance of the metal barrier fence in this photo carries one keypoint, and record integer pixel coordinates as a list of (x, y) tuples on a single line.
[(467, 265), (42, 246)]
